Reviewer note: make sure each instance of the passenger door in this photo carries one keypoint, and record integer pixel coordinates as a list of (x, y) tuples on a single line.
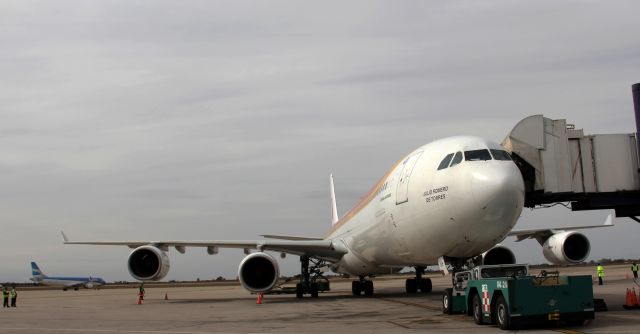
[(402, 191)]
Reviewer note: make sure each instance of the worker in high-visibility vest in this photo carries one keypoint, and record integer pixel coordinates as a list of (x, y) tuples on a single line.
[(141, 291), (5, 297), (600, 270), (634, 270), (14, 296)]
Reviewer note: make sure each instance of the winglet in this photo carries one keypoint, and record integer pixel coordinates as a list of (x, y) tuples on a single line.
[(334, 208), (64, 237)]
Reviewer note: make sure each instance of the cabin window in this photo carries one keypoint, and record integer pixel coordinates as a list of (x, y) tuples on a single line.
[(456, 159), (477, 155), (500, 155), (445, 162)]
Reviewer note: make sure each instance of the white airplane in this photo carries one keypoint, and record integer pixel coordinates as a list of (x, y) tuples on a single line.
[(449, 202), (67, 282)]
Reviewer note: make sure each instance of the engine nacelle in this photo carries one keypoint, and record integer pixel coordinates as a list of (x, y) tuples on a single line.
[(566, 247), (258, 272), (88, 285), (497, 255), (148, 263)]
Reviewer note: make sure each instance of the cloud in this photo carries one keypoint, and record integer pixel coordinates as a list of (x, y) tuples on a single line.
[(152, 120)]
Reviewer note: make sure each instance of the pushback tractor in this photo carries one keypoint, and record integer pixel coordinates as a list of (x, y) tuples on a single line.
[(508, 296)]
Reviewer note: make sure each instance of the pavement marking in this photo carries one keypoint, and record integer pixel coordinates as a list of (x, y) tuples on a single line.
[(566, 331), (428, 307), (398, 324), (86, 330)]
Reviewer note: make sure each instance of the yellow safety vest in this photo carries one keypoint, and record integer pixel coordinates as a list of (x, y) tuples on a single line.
[(634, 267), (600, 271)]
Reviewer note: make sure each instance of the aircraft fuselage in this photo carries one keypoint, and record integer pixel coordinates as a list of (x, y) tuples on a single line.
[(421, 210)]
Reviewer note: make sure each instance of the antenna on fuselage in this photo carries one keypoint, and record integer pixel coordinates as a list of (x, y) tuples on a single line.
[(334, 207)]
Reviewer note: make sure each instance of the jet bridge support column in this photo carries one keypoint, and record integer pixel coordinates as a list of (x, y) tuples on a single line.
[(635, 89)]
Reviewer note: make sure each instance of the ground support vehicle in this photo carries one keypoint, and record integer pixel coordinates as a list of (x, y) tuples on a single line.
[(507, 296)]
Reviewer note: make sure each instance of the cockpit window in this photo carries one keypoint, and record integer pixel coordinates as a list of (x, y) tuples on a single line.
[(456, 159), (445, 162), (477, 155), (500, 155)]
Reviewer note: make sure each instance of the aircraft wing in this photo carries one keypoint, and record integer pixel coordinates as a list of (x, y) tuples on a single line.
[(323, 249), (287, 237), (541, 234)]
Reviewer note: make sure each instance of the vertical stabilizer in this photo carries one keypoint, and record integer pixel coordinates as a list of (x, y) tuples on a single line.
[(35, 271), (334, 208)]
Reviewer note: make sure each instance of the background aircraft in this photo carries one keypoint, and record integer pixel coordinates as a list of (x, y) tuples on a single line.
[(38, 277)]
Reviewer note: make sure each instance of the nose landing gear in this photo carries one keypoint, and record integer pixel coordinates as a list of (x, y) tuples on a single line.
[(412, 285), (357, 287)]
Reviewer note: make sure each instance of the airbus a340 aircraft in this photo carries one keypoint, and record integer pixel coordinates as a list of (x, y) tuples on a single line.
[(66, 282), (449, 202)]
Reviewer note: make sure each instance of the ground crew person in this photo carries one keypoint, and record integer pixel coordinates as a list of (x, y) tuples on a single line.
[(634, 270), (5, 297), (141, 291), (14, 296), (600, 270)]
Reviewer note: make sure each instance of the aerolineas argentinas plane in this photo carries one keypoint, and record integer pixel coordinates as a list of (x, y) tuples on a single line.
[(66, 282), (448, 202)]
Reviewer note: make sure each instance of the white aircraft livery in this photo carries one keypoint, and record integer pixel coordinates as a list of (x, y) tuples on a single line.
[(38, 277), (449, 202)]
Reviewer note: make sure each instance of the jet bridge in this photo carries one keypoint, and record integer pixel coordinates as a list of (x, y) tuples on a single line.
[(559, 163)]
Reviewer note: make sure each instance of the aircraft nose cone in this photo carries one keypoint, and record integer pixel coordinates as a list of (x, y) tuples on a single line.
[(498, 191)]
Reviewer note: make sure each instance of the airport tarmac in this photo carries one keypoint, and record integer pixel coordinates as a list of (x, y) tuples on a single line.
[(231, 309)]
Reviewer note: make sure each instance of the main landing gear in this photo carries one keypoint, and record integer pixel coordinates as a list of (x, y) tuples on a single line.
[(414, 284), (357, 287), (311, 279)]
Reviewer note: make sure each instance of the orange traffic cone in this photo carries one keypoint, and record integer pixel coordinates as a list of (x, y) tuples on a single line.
[(259, 301), (166, 297), (634, 300), (629, 301)]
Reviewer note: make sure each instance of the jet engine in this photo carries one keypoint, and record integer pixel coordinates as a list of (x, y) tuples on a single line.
[(148, 263), (258, 272), (88, 285), (498, 255), (566, 247)]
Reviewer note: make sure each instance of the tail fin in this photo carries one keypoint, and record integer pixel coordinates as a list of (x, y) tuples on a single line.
[(334, 208), (35, 271)]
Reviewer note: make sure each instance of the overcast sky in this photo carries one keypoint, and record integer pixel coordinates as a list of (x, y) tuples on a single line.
[(223, 119)]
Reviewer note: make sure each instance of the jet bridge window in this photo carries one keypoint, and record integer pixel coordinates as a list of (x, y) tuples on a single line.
[(500, 155), (445, 162), (477, 155), (456, 159)]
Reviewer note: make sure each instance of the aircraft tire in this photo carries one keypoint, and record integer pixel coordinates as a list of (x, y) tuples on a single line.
[(368, 288), (356, 288), (299, 290), (411, 285), (425, 285)]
